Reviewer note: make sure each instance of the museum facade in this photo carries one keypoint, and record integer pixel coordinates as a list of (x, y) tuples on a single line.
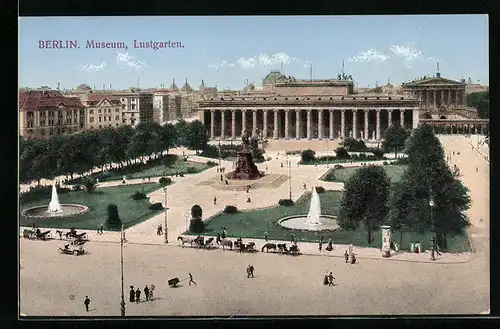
[(287, 108)]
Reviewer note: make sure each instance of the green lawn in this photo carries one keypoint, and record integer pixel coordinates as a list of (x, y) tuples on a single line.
[(395, 172), (336, 161), (254, 224), (155, 169), (131, 211)]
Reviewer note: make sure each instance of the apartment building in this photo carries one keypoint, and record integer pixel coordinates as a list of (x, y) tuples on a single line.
[(102, 110), (138, 106), (47, 113)]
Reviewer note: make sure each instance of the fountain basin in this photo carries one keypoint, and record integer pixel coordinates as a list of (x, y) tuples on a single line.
[(300, 222), (67, 210)]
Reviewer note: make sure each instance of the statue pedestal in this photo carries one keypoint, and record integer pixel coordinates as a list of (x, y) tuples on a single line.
[(245, 168)]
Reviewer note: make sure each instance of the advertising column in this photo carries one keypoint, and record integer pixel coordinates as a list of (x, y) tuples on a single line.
[(386, 241)]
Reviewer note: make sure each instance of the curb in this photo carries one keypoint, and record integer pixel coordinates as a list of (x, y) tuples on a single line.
[(311, 254)]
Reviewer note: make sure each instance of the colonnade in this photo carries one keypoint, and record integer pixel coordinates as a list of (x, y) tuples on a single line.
[(432, 98), (320, 123), (460, 129)]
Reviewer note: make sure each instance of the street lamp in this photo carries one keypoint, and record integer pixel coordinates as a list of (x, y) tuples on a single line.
[(219, 153), (122, 303), (289, 163), (433, 256), (166, 208)]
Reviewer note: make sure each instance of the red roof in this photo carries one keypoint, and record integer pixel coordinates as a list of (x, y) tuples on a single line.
[(46, 100), (100, 97)]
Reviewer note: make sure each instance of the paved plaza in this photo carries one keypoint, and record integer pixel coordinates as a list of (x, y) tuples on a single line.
[(283, 285)]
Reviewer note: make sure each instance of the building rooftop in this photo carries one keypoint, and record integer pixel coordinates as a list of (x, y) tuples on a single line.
[(47, 100)]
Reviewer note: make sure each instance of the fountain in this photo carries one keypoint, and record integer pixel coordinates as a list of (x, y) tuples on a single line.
[(55, 209), (314, 221), (54, 205)]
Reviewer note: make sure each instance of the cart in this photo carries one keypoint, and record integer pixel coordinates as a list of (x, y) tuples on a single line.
[(173, 282)]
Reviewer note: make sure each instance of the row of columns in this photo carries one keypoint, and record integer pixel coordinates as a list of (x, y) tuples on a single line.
[(455, 129), (297, 126), (427, 94)]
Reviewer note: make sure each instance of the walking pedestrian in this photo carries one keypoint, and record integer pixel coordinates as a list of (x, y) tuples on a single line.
[(353, 258), (320, 246), (138, 296), (218, 239), (191, 279), (215, 200), (321, 239), (98, 229), (476, 169), (146, 293), (87, 303), (151, 291), (330, 279), (132, 294), (346, 256), (223, 233), (265, 236), (325, 280), (149, 178), (160, 229), (250, 270), (102, 228), (292, 239)]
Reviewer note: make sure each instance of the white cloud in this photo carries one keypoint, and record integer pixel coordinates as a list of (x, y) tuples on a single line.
[(93, 68), (268, 60), (129, 62), (408, 53), (370, 55), (220, 64)]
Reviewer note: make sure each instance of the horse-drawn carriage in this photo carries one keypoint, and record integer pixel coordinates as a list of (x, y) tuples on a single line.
[(172, 283), (198, 242), (75, 250), (37, 234), (293, 250), (241, 247), (73, 236)]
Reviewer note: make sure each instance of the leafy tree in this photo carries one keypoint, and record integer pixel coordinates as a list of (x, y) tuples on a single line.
[(182, 129), (379, 153), (113, 221), (90, 184), (480, 101), (308, 156), (196, 137), (196, 224), (341, 153), (169, 135), (352, 144), (196, 211), (429, 177), (365, 199), (395, 138)]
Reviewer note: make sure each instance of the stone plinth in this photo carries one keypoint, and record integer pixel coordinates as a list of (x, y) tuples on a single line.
[(245, 168)]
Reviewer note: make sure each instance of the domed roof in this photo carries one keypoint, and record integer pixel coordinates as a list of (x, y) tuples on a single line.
[(83, 87), (272, 77)]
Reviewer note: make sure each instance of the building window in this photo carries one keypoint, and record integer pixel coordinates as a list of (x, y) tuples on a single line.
[(63, 130), (30, 114), (82, 113), (51, 132), (81, 124), (100, 126), (30, 131), (42, 132), (100, 111), (110, 125), (104, 118), (109, 118), (133, 107), (117, 124), (100, 119), (91, 111), (117, 117), (91, 127), (30, 124), (117, 110), (109, 110), (91, 119), (132, 114)]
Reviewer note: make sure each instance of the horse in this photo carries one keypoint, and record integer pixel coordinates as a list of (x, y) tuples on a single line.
[(282, 247), (184, 240), (227, 243), (268, 246), (60, 234)]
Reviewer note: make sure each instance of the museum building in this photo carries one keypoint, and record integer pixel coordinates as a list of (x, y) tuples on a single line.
[(314, 109)]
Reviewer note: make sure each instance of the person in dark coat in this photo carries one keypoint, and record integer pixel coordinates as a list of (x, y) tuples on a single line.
[(346, 256), (218, 238), (87, 303), (137, 295), (330, 279), (191, 279), (146, 292), (132, 294), (320, 246), (325, 280)]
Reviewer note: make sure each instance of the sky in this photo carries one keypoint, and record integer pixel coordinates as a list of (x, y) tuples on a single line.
[(228, 51)]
